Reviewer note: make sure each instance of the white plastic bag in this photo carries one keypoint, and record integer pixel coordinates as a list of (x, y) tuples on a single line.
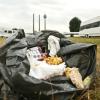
[(42, 70), (35, 52), (53, 45)]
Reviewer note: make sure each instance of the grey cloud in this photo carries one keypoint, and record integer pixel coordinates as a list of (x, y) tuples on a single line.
[(40, 2), (12, 2), (18, 13)]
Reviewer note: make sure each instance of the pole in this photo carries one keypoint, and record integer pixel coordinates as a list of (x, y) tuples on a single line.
[(39, 23), (45, 16), (33, 23), (44, 24)]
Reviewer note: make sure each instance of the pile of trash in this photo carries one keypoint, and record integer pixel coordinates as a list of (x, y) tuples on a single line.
[(46, 64)]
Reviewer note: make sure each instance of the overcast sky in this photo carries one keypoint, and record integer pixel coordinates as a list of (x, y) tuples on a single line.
[(18, 13)]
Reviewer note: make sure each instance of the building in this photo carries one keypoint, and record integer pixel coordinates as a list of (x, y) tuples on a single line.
[(6, 32), (90, 28), (71, 34)]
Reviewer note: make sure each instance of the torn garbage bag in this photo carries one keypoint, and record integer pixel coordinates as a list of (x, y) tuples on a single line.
[(15, 66)]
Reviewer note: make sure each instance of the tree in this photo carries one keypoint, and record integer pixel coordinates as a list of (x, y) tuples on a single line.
[(74, 24)]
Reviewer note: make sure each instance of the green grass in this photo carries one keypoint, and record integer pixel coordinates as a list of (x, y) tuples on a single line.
[(2, 40), (86, 40)]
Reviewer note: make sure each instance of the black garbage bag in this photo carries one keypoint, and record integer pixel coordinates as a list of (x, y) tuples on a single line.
[(14, 65), (80, 55)]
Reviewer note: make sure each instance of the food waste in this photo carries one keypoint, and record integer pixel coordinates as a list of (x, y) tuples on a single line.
[(54, 60)]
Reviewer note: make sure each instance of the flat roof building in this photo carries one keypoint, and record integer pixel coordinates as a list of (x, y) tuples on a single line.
[(90, 27)]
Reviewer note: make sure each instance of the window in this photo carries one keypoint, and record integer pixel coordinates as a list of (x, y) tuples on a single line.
[(5, 31), (92, 25), (9, 31)]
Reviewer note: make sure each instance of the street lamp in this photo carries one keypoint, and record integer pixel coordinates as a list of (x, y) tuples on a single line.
[(39, 23), (45, 16)]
